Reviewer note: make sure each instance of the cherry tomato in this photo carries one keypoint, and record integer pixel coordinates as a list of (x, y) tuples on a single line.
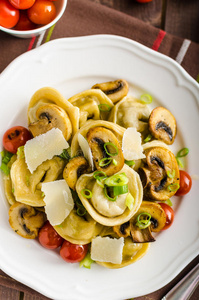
[(42, 12), (144, 1), (169, 215), (22, 4), (73, 253), (15, 137), (185, 184), (49, 238), (24, 22), (9, 15)]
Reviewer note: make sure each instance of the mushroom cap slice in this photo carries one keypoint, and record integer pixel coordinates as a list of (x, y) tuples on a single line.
[(98, 138), (162, 125), (160, 175), (74, 169), (158, 221), (51, 116), (26, 220), (115, 90)]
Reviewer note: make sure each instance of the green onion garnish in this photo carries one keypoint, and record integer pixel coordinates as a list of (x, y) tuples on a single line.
[(119, 190), (169, 202), (130, 163), (148, 138), (20, 152), (114, 161), (171, 175), (5, 169), (107, 196), (183, 152), (115, 149), (146, 98), (116, 180), (104, 107), (105, 161), (99, 175), (81, 211), (86, 261), (66, 154), (6, 157), (129, 201), (86, 193), (179, 162), (143, 220), (173, 187)]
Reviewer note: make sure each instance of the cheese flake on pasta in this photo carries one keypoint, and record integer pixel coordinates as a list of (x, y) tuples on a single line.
[(58, 199), (105, 249), (86, 149), (131, 144), (43, 147)]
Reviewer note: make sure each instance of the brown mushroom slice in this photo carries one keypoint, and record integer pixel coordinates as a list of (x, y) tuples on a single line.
[(26, 220), (122, 230), (51, 116), (160, 175), (157, 222), (74, 169), (115, 90), (106, 150), (162, 125)]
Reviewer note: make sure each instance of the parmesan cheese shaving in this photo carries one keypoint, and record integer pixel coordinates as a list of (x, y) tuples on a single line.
[(105, 249), (58, 199), (86, 149), (131, 144), (43, 147)]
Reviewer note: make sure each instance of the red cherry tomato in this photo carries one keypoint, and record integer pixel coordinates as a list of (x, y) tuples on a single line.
[(9, 15), (169, 215), (15, 137), (185, 184), (49, 238), (22, 4), (24, 22), (144, 1), (42, 12), (73, 253)]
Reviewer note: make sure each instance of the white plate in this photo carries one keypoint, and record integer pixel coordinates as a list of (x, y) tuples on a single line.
[(72, 65)]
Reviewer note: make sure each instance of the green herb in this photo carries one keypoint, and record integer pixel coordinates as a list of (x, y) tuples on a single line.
[(130, 163), (148, 138), (111, 145), (171, 175), (66, 154), (86, 193), (146, 98), (104, 107), (129, 201), (143, 220), (6, 157), (86, 261), (20, 152), (173, 187)]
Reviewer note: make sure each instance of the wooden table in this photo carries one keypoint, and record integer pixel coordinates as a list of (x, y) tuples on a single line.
[(178, 17)]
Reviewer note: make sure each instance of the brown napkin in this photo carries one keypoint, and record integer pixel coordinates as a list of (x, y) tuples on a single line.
[(81, 18)]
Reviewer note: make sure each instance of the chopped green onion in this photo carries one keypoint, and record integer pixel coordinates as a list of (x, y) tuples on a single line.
[(5, 169), (113, 146), (99, 175), (43, 195), (117, 180), (173, 187), (179, 162), (66, 154), (130, 163), (129, 201), (146, 98), (145, 221), (86, 261), (169, 202), (86, 193), (81, 211), (6, 156), (105, 161), (107, 196), (148, 138), (171, 175), (119, 190), (27, 180), (183, 152), (104, 107), (20, 152), (100, 183), (114, 162)]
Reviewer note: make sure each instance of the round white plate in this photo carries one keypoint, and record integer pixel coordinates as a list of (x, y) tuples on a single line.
[(72, 65)]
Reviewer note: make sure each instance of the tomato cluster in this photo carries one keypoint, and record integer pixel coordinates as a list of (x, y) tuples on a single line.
[(50, 239), (26, 14)]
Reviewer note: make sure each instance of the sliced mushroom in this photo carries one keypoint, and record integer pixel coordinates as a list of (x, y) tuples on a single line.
[(162, 125), (115, 90), (25, 220), (157, 222), (122, 230), (100, 140), (160, 175), (74, 169), (49, 116)]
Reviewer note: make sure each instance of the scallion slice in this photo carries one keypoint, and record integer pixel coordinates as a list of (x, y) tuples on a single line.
[(129, 201), (107, 196), (114, 161), (143, 220), (5, 169), (173, 187), (111, 145), (146, 98), (119, 190), (99, 175), (104, 107), (86, 193), (116, 180), (183, 152), (81, 211), (105, 161), (130, 163), (148, 138), (20, 152), (171, 174), (86, 261)]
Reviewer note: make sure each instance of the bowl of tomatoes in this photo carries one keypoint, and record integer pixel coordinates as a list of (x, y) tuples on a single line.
[(29, 18)]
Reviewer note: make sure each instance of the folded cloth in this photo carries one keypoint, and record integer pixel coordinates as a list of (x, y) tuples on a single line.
[(83, 17)]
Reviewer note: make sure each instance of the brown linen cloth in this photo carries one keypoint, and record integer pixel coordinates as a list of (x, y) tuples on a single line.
[(81, 18)]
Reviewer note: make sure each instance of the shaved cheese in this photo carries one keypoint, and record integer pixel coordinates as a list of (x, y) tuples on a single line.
[(105, 249), (43, 147), (131, 144), (58, 199), (85, 149)]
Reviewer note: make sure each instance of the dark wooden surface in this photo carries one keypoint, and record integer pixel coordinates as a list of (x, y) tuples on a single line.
[(178, 17)]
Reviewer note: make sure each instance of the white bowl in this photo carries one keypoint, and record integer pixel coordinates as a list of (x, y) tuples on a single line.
[(60, 7)]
